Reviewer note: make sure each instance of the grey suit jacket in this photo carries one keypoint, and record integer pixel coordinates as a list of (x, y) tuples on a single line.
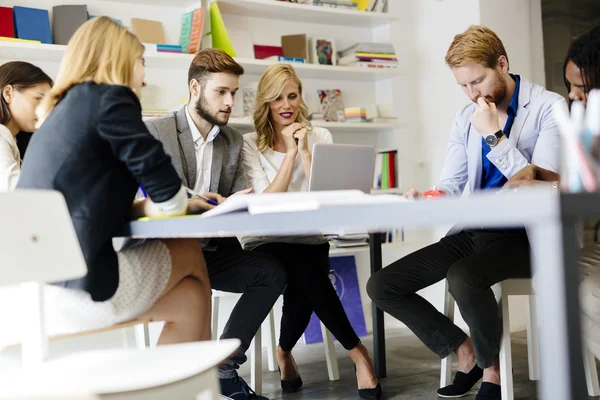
[(227, 173)]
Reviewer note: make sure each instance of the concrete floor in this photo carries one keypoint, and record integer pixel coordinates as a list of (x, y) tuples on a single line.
[(413, 372)]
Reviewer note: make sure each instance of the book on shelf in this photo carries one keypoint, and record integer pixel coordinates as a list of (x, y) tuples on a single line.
[(295, 46), (163, 48), (384, 176), (342, 4), (286, 60), (262, 51), (32, 24), (9, 39), (148, 31), (7, 26), (196, 29), (352, 58), (355, 114), (368, 47), (364, 64), (66, 20)]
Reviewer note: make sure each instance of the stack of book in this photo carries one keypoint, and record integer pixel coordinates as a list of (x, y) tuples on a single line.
[(384, 176), (164, 48), (355, 114), (346, 4), (369, 55)]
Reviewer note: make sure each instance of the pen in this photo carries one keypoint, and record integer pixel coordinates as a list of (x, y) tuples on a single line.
[(209, 201), (143, 192)]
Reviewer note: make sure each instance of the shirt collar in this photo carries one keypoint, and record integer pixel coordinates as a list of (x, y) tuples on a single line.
[(196, 136), (513, 106)]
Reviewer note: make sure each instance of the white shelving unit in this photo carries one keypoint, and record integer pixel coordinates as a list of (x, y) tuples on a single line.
[(332, 126), (53, 53), (304, 13)]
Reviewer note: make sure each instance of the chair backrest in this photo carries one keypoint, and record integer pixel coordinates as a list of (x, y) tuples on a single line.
[(37, 239)]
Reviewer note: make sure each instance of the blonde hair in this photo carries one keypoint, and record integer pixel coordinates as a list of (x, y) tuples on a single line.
[(100, 51), (270, 87), (477, 44)]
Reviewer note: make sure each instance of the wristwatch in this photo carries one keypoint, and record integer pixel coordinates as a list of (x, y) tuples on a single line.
[(492, 140)]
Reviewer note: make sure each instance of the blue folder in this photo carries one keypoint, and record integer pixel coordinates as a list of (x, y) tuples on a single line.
[(32, 24)]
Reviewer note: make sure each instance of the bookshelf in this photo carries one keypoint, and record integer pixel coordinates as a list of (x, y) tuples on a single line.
[(53, 53), (305, 13), (332, 126)]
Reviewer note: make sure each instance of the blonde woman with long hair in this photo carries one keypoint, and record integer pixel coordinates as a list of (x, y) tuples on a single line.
[(277, 158), (94, 148)]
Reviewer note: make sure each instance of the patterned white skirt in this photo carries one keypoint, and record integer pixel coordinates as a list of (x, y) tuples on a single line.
[(144, 271)]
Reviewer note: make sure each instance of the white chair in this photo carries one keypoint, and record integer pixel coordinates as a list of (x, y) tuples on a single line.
[(516, 287), (256, 346), (38, 245)]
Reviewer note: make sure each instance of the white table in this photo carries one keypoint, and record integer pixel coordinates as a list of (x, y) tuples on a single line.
[(540, 211)]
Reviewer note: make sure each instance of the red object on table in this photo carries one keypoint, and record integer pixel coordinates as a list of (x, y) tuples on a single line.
[(431, 194)]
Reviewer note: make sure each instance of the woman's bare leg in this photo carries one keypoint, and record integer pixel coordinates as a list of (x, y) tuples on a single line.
[(185, 304)]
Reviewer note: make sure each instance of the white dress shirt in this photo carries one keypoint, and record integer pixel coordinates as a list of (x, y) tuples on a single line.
[(204, 154), (10, 160)]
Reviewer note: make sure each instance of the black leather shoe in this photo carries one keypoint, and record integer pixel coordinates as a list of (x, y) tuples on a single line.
[(370, 394), (489, 391), (291, 386), (462, 384)]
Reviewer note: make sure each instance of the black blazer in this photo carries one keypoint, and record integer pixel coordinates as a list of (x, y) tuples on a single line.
[(95, 149)]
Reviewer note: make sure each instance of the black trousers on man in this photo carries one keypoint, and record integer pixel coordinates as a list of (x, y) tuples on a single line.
[(472, 261)]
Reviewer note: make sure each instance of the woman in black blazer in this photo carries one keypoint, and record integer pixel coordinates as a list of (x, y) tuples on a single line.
[(93, 147)]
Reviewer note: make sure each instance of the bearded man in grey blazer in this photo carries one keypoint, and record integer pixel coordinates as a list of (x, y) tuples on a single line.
[(206, 154)]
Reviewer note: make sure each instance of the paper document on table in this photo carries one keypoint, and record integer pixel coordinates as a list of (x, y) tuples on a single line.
[(298, 201)]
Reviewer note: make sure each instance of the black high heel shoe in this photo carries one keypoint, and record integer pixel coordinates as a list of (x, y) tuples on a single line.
[(293, 385), (369, 394)]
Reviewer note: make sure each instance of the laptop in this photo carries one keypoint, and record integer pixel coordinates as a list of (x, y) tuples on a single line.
[(342, 167)]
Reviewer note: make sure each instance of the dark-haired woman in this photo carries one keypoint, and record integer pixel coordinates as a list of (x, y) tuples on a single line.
[(23, 86)]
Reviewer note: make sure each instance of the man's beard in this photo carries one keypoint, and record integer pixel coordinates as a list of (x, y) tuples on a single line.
[(498, 92), (205, 114)]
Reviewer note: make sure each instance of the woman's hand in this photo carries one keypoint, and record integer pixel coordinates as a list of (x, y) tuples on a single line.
[(302, 140), (291, 145)]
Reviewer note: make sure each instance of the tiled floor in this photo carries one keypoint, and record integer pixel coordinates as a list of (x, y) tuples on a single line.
[(413, 372)]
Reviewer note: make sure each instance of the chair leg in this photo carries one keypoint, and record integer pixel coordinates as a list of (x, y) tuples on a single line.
[(256, 363), (272, 346), (591, 373), (332, 364), (142, 336), (506, 376), (533, 350), (446, 368), (215, 318)]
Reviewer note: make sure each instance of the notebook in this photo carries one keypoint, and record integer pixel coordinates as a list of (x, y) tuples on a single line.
[(32, 24)]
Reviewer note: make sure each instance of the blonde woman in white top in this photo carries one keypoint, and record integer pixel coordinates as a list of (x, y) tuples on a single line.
[(277, 158), (22, 88)]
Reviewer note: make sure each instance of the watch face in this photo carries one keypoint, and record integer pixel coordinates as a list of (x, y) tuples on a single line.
[(491, 140)]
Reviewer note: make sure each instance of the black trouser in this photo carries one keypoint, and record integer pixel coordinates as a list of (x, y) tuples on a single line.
[(472, 261), (259, 277), (309, 289)]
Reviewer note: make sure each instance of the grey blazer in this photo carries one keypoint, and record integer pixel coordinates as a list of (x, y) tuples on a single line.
[(227, 173)]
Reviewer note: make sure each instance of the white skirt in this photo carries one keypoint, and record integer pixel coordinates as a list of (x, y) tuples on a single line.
[(144, 271)]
